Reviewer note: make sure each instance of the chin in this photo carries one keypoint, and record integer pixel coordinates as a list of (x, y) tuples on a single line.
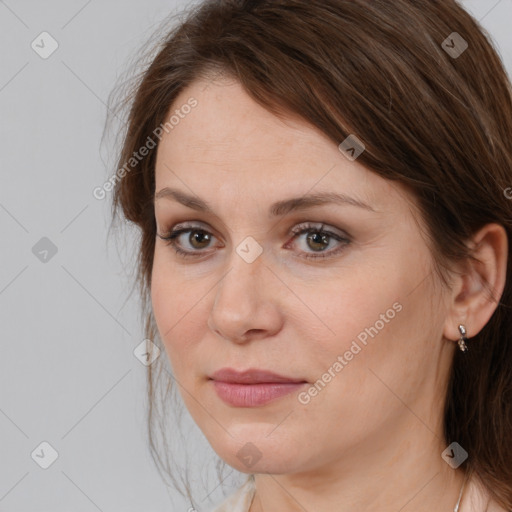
[(256, 452)]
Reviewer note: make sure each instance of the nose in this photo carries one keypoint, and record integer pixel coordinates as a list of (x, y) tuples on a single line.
[(246, 302)]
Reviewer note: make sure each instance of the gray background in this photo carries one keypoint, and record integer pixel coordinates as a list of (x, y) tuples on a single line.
[(68, 375)]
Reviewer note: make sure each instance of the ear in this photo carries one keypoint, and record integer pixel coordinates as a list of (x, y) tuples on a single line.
[(471, 303)]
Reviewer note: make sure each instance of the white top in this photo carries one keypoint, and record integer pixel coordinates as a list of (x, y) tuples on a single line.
[(240, 500)]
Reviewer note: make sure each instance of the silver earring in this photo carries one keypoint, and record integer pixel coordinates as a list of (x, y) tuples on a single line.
[(462, 341)]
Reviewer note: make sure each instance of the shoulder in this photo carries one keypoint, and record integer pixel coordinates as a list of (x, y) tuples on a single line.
[(240, 500)]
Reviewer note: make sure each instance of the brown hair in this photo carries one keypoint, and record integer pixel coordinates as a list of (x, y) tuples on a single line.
[(437, 122)]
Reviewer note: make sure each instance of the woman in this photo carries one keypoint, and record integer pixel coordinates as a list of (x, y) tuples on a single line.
[(322, 191)]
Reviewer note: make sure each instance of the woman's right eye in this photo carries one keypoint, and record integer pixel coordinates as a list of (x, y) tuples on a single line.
[(196, 235)]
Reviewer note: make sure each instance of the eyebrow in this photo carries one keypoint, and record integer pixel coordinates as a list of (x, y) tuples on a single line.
[(277, 209)]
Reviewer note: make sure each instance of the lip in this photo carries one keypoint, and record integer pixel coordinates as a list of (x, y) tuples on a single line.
[(252, 376), (253, 387)]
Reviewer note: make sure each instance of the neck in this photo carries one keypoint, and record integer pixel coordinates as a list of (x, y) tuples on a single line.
[(407, 476)]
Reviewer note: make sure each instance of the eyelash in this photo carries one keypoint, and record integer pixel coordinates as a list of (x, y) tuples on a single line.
[(301, 229)]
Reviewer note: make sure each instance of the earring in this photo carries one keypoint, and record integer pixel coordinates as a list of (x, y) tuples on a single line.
[(462, 341)]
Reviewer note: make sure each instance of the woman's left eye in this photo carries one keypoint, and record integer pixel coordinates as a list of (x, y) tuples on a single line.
[(317, 238)]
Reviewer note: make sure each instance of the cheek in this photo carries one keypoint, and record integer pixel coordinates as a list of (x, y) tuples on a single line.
[(376, 354), (172, 304), (162, 296), (378, 323), (394, 341), (355, 307)]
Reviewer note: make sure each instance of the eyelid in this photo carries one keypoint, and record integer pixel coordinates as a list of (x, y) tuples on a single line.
[(320, 225), (188, 226)]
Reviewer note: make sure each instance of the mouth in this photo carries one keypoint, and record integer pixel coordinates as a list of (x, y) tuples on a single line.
[(253, 387)]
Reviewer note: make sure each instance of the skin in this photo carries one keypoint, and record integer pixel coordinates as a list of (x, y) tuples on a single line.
[(372, 438)]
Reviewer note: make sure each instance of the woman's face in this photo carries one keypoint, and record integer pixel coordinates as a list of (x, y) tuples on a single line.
[(352, 313)]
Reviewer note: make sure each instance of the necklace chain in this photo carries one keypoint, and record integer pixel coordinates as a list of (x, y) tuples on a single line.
[(457, 509)]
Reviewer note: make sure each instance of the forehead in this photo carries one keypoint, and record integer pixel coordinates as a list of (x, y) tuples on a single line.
[(230, 141), (228, 125)]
